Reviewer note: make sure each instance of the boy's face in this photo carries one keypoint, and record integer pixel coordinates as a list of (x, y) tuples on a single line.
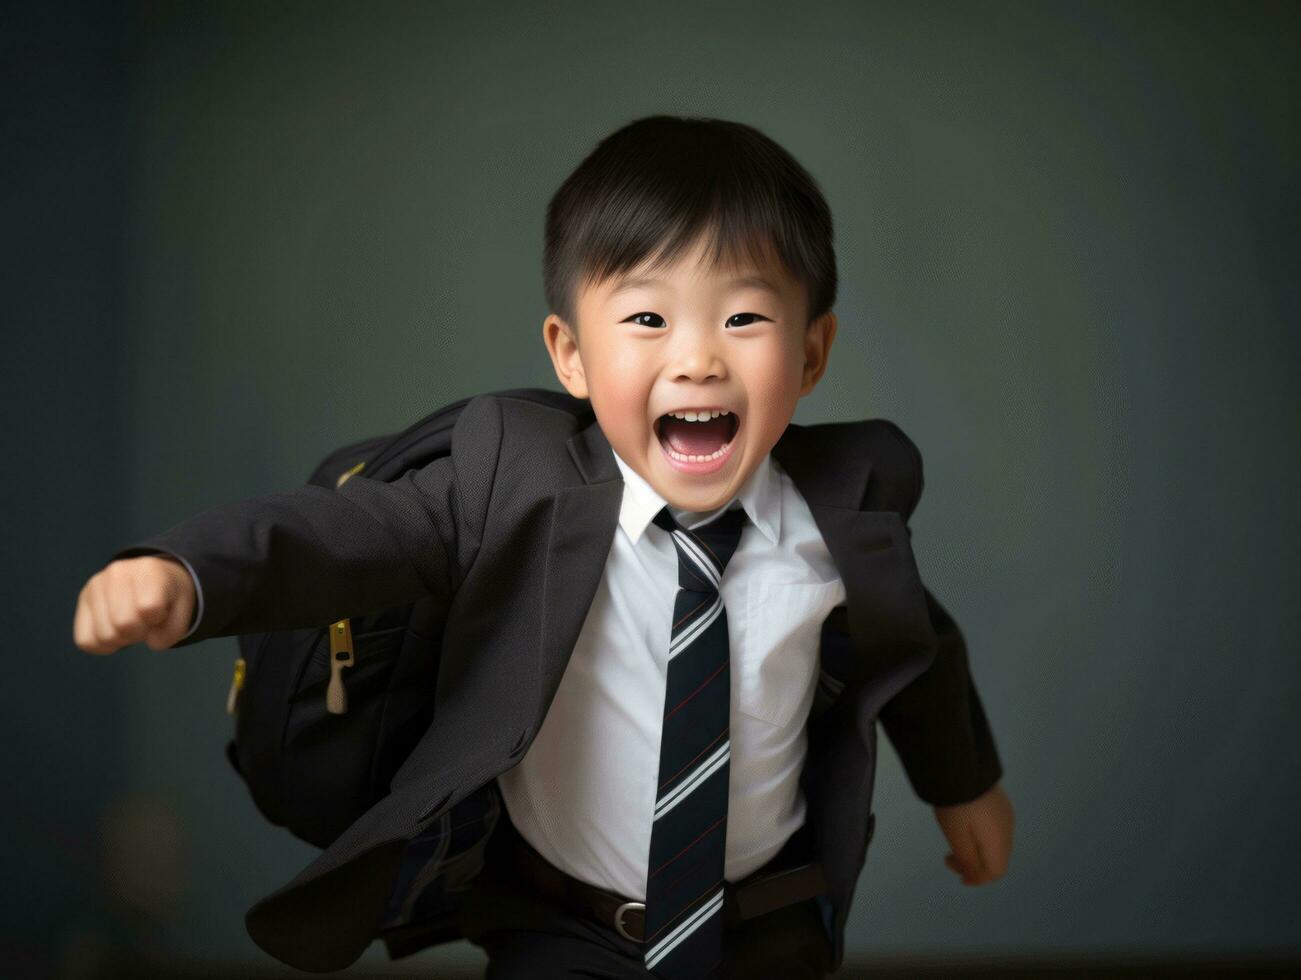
[(692, 339)]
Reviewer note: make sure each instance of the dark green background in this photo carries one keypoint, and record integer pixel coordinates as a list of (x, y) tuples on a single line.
[(240, 235)]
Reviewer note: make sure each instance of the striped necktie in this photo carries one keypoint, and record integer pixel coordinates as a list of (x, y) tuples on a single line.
[(684, 877)]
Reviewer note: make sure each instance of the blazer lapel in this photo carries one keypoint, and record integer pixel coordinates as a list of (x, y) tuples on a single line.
[(890, 631), (583, 522)]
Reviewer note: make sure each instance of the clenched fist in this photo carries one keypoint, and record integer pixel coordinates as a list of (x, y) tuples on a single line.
[(149, 598)]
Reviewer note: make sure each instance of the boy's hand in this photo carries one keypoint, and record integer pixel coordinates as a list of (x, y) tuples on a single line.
[(980, 833), (148, 598)]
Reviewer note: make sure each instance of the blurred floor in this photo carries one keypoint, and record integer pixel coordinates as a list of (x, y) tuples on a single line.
[(877, 968)]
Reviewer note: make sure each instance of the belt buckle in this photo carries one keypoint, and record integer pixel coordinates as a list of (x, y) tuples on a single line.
[(618, 919)]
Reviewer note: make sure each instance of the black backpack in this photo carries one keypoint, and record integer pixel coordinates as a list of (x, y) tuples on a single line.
[(324, 717)]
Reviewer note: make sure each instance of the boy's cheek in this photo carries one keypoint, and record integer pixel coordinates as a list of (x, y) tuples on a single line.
[(770, 413), (625, 416), (630, 439)]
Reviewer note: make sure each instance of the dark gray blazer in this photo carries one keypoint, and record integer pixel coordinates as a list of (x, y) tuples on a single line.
[(513, 529)]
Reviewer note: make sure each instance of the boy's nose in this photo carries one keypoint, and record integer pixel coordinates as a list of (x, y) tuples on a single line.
[(699, 361)]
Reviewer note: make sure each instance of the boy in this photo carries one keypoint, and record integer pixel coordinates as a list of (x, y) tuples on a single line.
[(633, 608)]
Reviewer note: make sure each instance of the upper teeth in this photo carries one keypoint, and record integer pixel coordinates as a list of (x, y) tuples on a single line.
[(697, 416)]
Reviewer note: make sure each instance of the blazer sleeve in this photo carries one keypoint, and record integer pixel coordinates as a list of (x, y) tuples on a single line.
[(937, 724), (310, 556)]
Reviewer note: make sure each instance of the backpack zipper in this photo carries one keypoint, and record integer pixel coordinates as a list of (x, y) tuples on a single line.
[(341, 655), (336, 697), (236, 685), (343, 477)]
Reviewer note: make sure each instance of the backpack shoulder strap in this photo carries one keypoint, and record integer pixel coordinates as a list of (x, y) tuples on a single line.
[(389, 456)]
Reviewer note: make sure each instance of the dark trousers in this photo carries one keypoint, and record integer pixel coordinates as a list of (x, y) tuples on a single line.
[(526, 936)]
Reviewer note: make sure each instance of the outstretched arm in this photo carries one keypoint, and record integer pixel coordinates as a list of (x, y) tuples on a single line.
[(309, 556)]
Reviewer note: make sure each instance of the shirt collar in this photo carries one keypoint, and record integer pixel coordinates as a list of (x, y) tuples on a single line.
[(760, 496)]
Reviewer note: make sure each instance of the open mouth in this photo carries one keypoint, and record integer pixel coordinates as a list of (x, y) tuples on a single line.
[(701, 437)]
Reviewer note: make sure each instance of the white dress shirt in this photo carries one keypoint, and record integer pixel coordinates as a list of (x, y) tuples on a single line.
[(584, 793)]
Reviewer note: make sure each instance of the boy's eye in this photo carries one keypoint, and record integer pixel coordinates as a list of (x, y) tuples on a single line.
[(638, 316)]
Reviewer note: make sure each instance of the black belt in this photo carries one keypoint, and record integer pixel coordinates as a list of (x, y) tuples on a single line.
[(777, 884)]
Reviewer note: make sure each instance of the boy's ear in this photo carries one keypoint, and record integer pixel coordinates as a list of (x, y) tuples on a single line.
[(817, 350), (565, 358)]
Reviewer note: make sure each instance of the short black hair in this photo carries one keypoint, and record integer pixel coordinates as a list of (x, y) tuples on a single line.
[(661, 181)]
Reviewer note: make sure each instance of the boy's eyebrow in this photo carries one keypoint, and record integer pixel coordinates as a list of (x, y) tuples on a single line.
[(756, 281)]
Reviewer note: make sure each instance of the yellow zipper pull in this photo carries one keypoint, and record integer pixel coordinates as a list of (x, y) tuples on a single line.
[(236, 685), (343, 477), (336, 698)]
